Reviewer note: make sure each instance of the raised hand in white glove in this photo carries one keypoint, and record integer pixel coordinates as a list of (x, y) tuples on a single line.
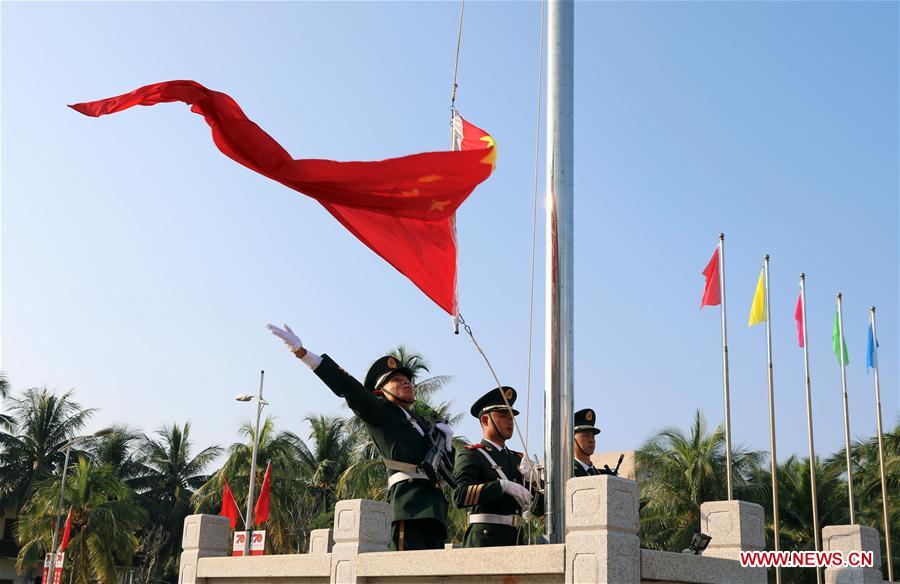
[(286, 335), (517, 492), (448, 433)]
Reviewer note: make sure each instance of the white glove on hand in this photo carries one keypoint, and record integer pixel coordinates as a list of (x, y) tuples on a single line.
[(286, 335), (448, 433), (526, 467), (517, 492)]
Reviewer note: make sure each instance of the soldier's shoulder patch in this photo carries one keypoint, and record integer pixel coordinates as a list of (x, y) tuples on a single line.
[(474, 446), (519, 454)]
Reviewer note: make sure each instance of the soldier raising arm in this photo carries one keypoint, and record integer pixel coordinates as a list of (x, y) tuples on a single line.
[(383, 404)]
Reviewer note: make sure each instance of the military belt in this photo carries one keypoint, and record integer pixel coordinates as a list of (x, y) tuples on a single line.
[(400, 476), (406, 467), (510, 520)]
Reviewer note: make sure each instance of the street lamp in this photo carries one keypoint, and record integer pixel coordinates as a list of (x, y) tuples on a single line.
[(260, 404), (62, 488)]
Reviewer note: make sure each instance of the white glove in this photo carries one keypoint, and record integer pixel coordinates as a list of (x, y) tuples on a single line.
[(286, 335), (517, 492), (448, 434), (526, 467)]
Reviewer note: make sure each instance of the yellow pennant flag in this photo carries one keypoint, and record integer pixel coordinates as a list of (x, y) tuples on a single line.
[(758, 310)]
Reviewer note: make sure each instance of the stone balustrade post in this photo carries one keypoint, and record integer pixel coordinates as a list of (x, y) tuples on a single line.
[(733, 526), (360, 526), (852, 538), (321, 541), (204, 536), (602, 544)]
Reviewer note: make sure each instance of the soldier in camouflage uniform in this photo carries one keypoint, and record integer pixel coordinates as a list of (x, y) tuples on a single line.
[(383, 404), (489, 477)]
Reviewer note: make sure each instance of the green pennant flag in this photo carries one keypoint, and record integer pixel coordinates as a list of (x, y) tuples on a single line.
[(837, 341)]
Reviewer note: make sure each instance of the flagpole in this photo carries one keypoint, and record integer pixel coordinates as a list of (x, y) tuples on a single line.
[(725, 368), (559, 347), (884, 494), (846, 408), (809, 426), (775, 518), (248, 523)]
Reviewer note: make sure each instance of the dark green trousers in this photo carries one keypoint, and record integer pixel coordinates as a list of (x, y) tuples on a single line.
[(418, 534), (487, 535)]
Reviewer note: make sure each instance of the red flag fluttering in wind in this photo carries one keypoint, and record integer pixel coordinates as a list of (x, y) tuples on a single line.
[(67, 530), (712, 291), (401, 208), (798, 316), (229, 506), (261, 510)]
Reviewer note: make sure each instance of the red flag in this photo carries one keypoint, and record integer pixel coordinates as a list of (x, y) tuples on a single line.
[(401, 208), (798, 316), (229, 506), (712, 291), (67, 530), (261, 510)]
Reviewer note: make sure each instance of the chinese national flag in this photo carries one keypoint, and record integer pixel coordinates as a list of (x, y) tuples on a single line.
[(229, 506), (712, 291), (261, 510), (402, 208), (67, 530)]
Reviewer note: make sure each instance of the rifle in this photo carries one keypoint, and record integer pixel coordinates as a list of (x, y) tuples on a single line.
[(437, 463), (614, 471)]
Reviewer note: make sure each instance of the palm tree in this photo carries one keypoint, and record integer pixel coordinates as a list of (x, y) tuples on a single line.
[(118, 449), (44, 422), (866, 468), (327, 460), (426, 389), (292, 504), (167, 479), (6, 422), (105, 518), (679, 472), (795, 507)]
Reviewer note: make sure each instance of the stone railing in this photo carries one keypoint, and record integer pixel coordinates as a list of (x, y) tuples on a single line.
[(602, 546)]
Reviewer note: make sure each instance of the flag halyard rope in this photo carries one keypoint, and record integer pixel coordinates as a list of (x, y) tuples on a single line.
[(462, 10)]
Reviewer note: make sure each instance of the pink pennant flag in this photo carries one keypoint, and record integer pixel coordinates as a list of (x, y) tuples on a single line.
[(798, 316)]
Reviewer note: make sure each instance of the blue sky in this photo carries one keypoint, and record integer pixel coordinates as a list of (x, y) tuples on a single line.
[(140, 265)]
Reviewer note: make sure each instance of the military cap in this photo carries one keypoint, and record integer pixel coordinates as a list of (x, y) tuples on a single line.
[(585, 420), (493, 400), (382, 369)]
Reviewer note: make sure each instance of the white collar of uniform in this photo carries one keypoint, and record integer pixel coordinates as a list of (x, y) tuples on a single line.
[(495, 445), (583, 465)]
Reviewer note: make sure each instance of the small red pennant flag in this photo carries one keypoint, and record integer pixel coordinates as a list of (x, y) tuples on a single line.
[(798, 316), (66, 532), (712, 291), (229, 506), (261, 510)]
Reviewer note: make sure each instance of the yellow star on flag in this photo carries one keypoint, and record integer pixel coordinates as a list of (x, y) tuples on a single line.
[(491, 158), (438, 205)]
